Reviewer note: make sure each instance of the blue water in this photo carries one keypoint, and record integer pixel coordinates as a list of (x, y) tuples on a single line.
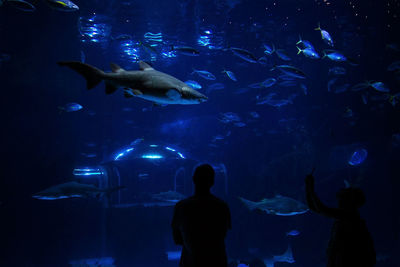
[(261, 137)]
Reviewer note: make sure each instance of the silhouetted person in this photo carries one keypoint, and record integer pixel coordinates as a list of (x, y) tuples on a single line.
[(351, 244), (200, 224)]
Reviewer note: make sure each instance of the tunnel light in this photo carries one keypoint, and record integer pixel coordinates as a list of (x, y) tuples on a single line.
[(170, 149), (180, 154), (87, 172), (152, 156), (153, 145), (123, 153)]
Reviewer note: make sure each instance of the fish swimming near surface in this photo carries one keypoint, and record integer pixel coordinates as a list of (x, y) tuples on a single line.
[(20, 5), (279, 205), (62, 5), (146, 83), (73, 190)]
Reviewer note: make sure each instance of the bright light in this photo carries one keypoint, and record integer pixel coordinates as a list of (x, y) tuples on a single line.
[(86, 172), (153, 146), (170, 149), (180, 154), (119, 155), (152, 156)]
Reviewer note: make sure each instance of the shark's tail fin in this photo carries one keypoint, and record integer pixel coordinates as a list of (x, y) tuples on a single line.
[(249, 204), (319, 27), (299, 50), (92, 75)]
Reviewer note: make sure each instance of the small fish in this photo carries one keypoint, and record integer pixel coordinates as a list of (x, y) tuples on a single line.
[(342, 88), (255, 85), (306, 44), (239, 124), (337, 71), (395, 66), (304, 88), (359, 87), (230, 75), (325, 35), (268, 82), (185, 50), (244, 54), (22, 5), (308, 52), (194, 84), (330, 83), (215, 86), (293, 233), (143, 176), (358, 157), (285, 77), (279, 102), (89, 155), (380, 87), (291, 71), (241, 91), (364, 99), (255, 115), (282, 55), (263, 60), (70, 107), (205, 74), (287, 83), (348, 113), (62, 5), (334, 55), (268, 50)]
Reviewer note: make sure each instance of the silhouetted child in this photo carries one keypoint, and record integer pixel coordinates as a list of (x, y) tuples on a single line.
[(351, 244), (200, 224)]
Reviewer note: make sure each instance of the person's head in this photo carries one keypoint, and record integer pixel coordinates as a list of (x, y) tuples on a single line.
[(350, 198), (203, 178)]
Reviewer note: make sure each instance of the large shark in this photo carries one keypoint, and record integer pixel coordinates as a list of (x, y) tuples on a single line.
[(73, 190), (279, 205), (147, 83)]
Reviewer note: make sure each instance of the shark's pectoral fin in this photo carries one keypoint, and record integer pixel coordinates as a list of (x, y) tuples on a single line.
[(128, 93), (173, 94), (110, 88), (116, 68), (144, 66)]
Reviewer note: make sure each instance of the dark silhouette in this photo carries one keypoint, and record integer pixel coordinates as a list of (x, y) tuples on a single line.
[(200, 224), (351, 244)]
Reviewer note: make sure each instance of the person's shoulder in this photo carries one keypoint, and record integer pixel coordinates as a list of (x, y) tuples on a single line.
[(219, 201)]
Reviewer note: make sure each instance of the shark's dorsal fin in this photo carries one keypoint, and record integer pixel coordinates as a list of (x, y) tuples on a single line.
[(116, 68), (144, 66)]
